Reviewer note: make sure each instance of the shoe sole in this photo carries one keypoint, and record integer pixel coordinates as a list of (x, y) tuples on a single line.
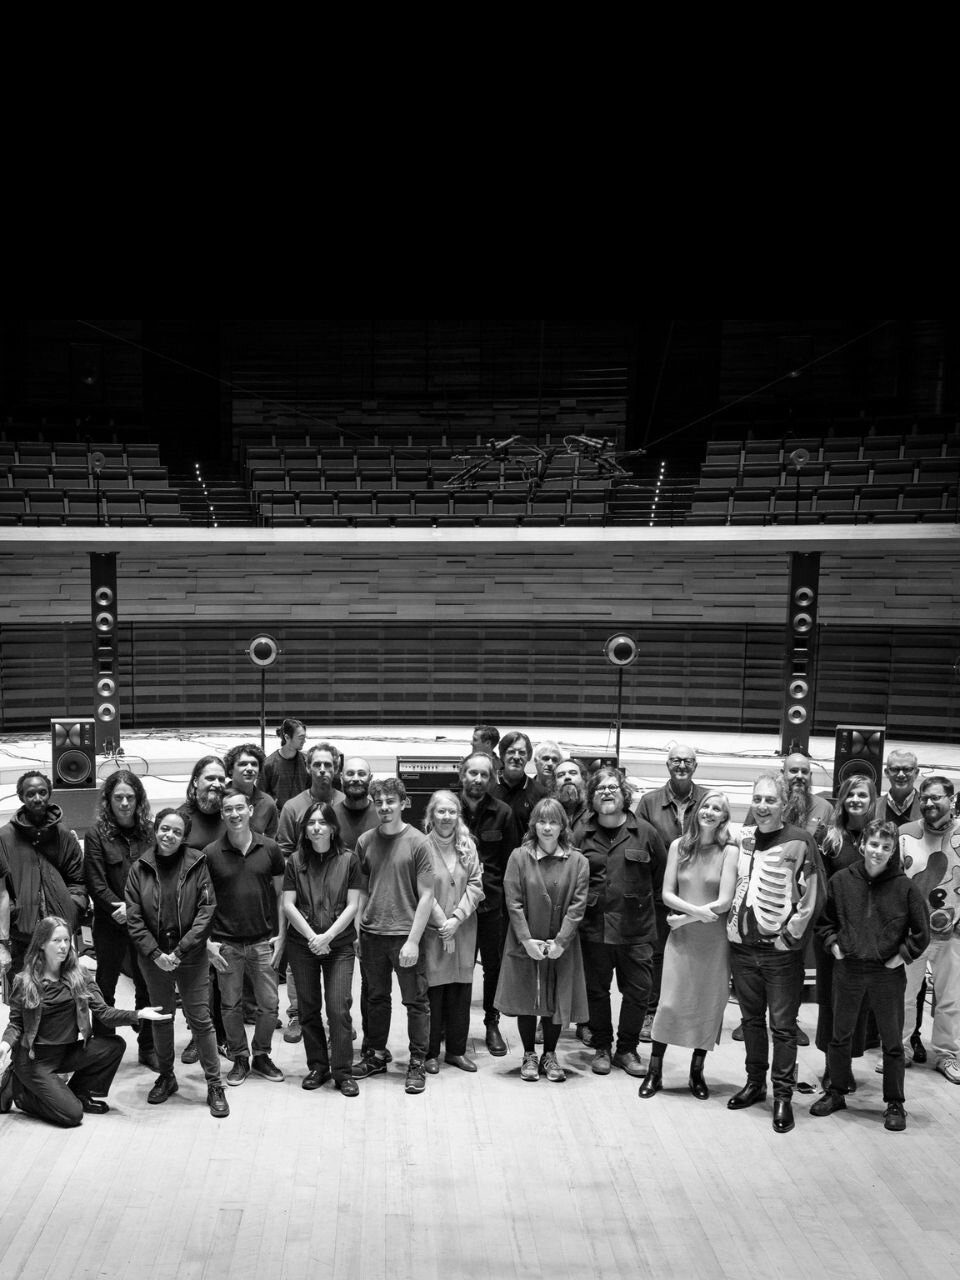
[(156, 1102)]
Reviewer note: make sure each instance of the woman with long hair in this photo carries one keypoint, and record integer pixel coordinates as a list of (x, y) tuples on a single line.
[(121, 833), (321, 897), (53, 1007), (450, 941), (541, 976), (698, 887), (170, 907), (856, 806)]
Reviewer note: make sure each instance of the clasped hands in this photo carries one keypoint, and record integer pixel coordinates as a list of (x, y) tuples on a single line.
[(537, 949)]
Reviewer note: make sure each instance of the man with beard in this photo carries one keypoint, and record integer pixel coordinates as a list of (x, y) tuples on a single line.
[(571, 791), (44, 868), (356, 814), (930, 853), (780, 888), (667, 809), (627, 860), (803, 808), (204, 794), (494, 831), (247, 873), (244, 766), (900, 803), (323, 761), (515, 789)]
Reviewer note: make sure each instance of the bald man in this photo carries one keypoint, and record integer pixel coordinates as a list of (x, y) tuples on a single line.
[(666, 809), (803, 809)]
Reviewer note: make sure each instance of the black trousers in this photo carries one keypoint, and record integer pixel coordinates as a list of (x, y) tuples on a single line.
[(39, 1091), (449, 1017), (491, 935), (113, 945)]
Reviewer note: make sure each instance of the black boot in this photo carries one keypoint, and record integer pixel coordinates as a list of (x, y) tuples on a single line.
[(696, 1082), (653, 1081)]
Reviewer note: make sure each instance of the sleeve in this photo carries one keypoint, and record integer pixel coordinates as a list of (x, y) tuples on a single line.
[(277, 860), (289, 877), (423, 861), (473, 893), (71, 868), (578, 902), (812, 895), (515, 897), (269, 816), (287, 829), (658, 860), (95, 872), (110, 1017), (356, 876), (143, 939), (202, 924), (828, 925), (918, 932), (15, 1024)]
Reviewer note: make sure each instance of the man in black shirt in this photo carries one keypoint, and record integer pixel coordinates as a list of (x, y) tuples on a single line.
[(247, 873)]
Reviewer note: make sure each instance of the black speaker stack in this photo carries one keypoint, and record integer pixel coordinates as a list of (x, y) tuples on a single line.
[(103, 614), (800, 656)]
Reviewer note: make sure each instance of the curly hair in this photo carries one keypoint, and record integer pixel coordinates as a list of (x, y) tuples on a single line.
[(106, 820), (245, 749), (626, 791)]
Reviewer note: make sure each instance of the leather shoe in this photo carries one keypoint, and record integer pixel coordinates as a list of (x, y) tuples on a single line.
[(165, 1087), (753, 1091), (191, 1053), (92, 1106), (217, 1102), (698, 1086), (431, 1066), (496, 1045), (782, 1115), (347, 1086), (460, 1060), (600, 1066), (629, 1062), (315, 1079), (830, 1101)]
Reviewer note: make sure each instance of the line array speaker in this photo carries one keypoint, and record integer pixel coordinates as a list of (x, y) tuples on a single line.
[(103, 616), (800, 644)]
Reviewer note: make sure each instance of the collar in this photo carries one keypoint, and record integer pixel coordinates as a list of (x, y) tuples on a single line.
[(901, 808), (683, 801)]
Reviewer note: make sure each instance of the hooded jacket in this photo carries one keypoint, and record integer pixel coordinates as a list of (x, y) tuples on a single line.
[(875, 917), (46, 871)]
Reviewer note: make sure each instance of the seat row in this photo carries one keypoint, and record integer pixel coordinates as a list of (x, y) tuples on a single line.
[(72, 453), (80, 506), (19, 475), (770, 475), (432, 506), (840, 448), (332, 478), (836, 503)]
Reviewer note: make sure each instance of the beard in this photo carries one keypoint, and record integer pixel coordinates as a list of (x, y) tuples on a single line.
[(797, 808)]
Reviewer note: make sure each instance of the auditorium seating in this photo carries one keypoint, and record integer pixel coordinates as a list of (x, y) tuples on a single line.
[(876, 476)]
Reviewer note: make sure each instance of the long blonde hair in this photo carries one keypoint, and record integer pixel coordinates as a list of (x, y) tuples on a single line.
[(29, 981), (462, 839), (690, 841)]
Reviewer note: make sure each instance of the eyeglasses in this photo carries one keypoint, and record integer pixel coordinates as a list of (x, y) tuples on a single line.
[(893, 772), (687, 760), (612, 787)]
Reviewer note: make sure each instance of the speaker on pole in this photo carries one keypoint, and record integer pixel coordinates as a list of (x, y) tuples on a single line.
[(858, 749), (103, 614), (800, 646)]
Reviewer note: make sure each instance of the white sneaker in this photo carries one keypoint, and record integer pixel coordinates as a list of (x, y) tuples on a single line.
[(950, 1067)]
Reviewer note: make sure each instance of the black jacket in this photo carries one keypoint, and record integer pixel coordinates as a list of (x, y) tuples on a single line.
[(875, 918), (625, 878), (494, 833), (106, 864), (196, 903)]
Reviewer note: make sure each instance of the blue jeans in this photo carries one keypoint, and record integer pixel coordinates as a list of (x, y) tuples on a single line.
[(764, 978), (316, 977), (253, 958)]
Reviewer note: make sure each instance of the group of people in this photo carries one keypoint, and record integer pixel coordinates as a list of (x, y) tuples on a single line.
[(556, 877)]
